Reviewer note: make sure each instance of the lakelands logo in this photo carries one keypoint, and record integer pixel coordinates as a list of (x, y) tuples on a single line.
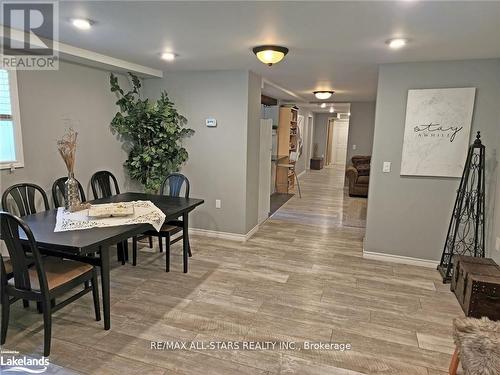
[(12, 362), (30, 34)]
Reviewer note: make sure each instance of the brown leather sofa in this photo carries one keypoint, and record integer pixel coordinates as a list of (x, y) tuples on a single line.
[(358, 176)]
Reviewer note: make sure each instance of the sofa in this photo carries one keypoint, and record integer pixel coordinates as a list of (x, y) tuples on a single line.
[(358, 176)]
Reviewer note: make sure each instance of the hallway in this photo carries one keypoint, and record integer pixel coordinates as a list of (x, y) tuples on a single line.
[(300, 278)]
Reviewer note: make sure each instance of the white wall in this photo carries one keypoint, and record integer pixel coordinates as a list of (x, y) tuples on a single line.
[(49, 102), (409, 216)]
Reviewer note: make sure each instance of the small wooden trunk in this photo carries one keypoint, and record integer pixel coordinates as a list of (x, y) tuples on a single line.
[(482, 297), (473, 264), (476, 284)]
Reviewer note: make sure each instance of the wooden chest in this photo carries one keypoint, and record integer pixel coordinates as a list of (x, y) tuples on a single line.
[(476, 284), (317, 163), (482, 297)]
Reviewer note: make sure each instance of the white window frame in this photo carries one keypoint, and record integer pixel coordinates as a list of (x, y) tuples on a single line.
[(16, 120)]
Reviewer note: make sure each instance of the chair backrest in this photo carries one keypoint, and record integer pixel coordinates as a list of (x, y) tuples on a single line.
[(173, 183), (294, 156), (101, 184), (58, 191), (24, 198), (11, 226)]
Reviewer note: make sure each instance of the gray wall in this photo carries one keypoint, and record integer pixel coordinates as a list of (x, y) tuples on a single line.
[(361, 125), (253, 151), (50, 102), (320, 133), (409, 216), (217, 165)]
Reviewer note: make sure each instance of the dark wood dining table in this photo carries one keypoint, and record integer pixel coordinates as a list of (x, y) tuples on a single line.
[(92, 245)]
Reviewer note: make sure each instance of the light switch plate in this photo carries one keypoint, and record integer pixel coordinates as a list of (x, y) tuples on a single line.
[(354, 147), (218, 203), (387, 167)]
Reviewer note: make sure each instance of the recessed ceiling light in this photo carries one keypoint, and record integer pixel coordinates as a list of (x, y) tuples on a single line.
[(397, 43), (323, 94), (332, 110), (168, 56), (270, 54), (323, 105), (81, 23)]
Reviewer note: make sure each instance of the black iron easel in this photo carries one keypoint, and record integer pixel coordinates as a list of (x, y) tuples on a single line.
[(466, 231)]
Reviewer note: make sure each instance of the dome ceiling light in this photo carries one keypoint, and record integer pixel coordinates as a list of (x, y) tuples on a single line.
[(270, 55), (323, 94)]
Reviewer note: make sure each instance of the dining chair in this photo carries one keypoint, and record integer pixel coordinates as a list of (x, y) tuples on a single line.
[(172, 186), (58, 188), (46, 279), (104, 185), (21, 199), (294, 156)]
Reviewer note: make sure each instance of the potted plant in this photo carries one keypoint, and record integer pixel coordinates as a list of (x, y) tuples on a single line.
[(152, 133)]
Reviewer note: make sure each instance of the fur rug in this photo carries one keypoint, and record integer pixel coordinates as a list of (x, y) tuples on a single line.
[(478, 341)]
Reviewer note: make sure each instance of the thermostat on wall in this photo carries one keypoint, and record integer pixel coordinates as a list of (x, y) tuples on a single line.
[(211, 122)]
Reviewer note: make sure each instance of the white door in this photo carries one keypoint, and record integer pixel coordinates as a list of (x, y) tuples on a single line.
[(266, 128), (340, 134)]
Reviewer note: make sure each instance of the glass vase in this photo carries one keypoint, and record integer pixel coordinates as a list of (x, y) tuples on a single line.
[(71, 193)]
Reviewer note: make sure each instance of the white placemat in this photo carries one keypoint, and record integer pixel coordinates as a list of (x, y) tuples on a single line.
[(144, 212)]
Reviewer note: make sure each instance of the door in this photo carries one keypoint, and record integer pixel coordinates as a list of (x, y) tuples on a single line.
[(329, 143), (266, 128), (339, 149)]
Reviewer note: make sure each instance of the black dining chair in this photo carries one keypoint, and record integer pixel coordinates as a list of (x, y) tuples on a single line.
[(45, 280), (172, 186), (21, 199), (58, 192), (104, 184)]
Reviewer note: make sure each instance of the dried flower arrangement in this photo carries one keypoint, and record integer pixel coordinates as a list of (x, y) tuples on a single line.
[(67, 148)]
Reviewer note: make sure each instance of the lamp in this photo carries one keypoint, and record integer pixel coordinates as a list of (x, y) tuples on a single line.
[(270, 54), (323, 94)]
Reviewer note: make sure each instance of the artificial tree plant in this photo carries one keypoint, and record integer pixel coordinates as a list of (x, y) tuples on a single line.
[(152, 133)]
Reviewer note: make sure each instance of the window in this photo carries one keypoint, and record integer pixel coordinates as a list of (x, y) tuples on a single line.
[(11, 147)]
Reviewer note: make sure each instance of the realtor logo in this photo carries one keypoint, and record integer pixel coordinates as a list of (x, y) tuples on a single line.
[(30, 33)]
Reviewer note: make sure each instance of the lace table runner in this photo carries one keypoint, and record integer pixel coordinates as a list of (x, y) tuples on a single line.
[(144, 212)]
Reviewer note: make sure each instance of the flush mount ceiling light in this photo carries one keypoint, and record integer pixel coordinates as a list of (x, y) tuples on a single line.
[(270, 54), (168, 56), (397, 43), (82, 23), (332, 110), (323, 105), (323, 95)]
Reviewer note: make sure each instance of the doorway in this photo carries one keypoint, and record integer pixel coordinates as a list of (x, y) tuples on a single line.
[(336, 142)]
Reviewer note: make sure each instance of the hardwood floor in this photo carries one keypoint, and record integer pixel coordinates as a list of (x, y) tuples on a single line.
[(300, 278)]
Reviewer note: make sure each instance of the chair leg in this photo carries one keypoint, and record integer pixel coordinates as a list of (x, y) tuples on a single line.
[(47, 327), (160, 241), (26, 303), (298, 185), (39, 307), (134, 251), (120, 252), (95, 295), (150, 242), (125, 250), (167, 253), (5, 318), (454, 363), (189, 249)]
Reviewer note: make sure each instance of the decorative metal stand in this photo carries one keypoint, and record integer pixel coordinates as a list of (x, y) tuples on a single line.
[(466, 231)]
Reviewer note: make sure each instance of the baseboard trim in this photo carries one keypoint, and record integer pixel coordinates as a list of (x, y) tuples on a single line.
[(301, 173), (225, 235), (400, 259)]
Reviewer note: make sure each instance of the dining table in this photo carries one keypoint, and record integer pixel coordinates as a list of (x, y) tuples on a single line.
[(92, 245)]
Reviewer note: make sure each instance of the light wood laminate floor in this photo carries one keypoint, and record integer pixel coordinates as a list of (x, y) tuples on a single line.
[(301, 277)]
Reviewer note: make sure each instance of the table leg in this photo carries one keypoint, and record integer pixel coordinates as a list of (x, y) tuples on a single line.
[(185, 240), (104, 256)]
